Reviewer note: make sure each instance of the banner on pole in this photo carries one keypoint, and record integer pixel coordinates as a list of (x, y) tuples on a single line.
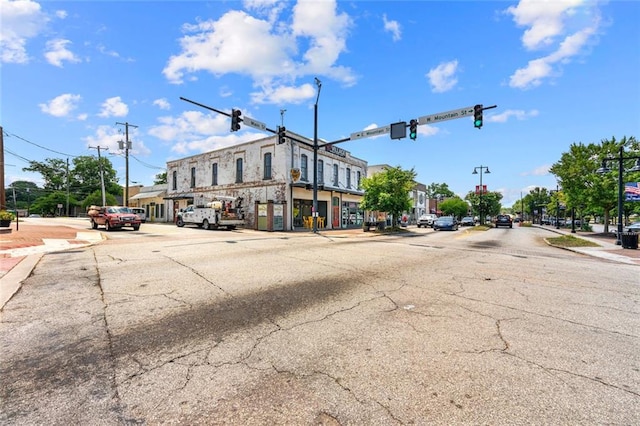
[(632, 191)]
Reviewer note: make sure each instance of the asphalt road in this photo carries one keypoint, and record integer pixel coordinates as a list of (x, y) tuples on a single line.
[(216, 327)]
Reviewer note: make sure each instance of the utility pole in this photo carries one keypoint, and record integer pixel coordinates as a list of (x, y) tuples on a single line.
[(127, 146), (104, 197)]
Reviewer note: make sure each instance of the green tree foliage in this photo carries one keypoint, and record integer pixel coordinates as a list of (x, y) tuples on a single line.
[(160, 179), (583, 187), (489, 203), (388, 191), (81, 178), (439, 189), (95, 199), (53, 172), (49, 203), (25, 193), (454, 206)]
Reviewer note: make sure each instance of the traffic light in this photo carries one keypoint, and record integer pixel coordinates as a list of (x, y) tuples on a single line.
[(281, 134), (477, 116), (413, 129), (235, 119)]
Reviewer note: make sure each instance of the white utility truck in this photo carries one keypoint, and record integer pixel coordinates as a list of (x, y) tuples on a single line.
[(221, 212)]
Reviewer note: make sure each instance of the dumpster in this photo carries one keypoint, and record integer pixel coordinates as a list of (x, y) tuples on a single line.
[(629, 240)]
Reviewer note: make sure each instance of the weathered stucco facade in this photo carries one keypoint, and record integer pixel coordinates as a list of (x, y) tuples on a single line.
[(261, 171)]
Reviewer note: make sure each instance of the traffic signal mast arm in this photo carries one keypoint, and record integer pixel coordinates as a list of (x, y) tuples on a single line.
[(266, 129)]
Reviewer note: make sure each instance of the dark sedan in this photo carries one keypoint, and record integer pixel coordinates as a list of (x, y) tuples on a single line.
[(467, 221), (445, 223)]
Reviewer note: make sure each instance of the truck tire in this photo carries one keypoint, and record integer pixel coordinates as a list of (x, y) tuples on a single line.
[(180, 222), (108, 226), (231, 227), (94, 225), (205, 224), (136, 227)]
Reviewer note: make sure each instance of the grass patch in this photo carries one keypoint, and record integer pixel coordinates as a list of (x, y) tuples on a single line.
[(570, 241)]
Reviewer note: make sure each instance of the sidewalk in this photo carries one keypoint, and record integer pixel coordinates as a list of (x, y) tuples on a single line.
[(606, 249), (22, 246)]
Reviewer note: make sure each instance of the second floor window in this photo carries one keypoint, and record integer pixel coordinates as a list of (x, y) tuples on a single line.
[(320, 171), (303, 167), (335, 175), (348, 177), (267, 165), (193, 177), (174, 180), (214, 174), (239, 170)]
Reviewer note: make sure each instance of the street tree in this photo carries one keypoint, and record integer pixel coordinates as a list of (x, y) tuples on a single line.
[(160, 178), (388, 191), (439, 189), (54, 172), (485, 204), (454, 206)]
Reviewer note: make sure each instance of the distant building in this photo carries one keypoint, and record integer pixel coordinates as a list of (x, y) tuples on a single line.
[(152, 199)]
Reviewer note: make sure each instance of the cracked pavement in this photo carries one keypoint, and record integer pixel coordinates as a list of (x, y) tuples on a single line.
[(441, 328)]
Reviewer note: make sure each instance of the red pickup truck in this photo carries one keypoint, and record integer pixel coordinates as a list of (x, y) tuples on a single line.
[(113, 217)]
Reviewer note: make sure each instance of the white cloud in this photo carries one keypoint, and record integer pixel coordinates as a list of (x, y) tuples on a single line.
[(575, 22), (162, 103), (442, 77), (538, 171), (194, 131), (516, 113), (61, 106), (57, 52), (284, 94), (114, 107), (21, 20), (393, 27), (110, 136), (237, 41)]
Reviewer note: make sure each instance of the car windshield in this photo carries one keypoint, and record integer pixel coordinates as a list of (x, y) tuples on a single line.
[(445, 219)]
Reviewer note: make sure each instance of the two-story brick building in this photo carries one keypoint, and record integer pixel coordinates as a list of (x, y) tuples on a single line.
[(263, 171)]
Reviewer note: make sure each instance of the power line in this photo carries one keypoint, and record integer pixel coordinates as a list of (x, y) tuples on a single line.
[(39, 146), (146, 164)]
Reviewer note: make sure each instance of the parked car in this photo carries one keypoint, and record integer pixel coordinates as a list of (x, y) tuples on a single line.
[(445, 223), (634, 227), (503, 220), (140, 212), (467, 221), (426, 219)]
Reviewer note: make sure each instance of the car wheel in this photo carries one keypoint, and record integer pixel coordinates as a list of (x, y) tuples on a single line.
[(205, 224), (180, 222)]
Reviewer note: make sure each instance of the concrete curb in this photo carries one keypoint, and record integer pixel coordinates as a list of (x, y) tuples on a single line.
[(10, 283)]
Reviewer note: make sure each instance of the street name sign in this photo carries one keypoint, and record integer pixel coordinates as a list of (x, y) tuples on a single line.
[(444, 116), (254, 123), (371, 132)]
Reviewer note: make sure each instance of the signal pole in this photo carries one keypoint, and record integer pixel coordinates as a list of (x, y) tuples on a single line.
[(127, 146)]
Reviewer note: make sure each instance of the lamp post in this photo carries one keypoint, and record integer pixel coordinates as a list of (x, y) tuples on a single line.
[(484, 169), (557, 192), (604, 169), (314, 213)]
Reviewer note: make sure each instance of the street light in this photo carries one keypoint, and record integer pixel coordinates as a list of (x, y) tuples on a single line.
[(314, 213), (604, 169), (475, 172)]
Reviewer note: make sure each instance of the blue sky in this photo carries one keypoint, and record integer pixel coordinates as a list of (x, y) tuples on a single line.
[(559, 72)]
